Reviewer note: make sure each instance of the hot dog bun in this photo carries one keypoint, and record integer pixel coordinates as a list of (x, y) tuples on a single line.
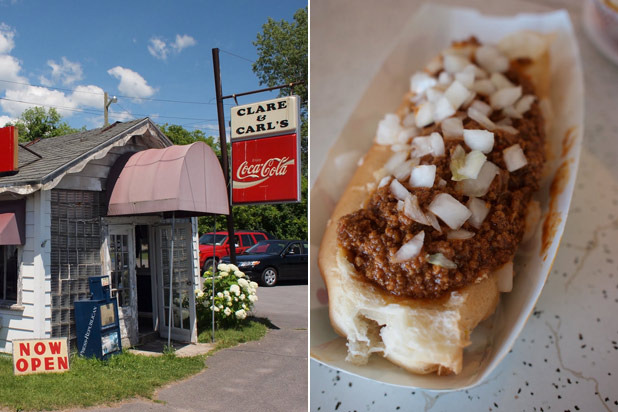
[(420, 335)]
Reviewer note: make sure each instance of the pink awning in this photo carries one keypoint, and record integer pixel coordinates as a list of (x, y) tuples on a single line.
[(9, 230), (184, 179)]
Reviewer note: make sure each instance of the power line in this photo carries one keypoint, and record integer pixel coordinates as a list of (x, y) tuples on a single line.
[(101, 94), (236, 55)]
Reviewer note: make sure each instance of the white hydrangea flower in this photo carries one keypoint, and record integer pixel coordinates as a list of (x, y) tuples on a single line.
[(226, 292), (253, 298), (223, 267), (243, 283), (242, 297), (219, 294), (224, 274), (241, 314), (253, 285), (235, 299), (232, 268), (199, 293), (229, 302), (220, 306), (239, 274), (235, 289), (244, 306), (227, 311)]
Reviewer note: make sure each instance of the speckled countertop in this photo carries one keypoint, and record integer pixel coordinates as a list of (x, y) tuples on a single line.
[(566, 358)]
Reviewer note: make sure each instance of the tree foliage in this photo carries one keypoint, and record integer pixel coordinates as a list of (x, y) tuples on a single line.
[(283, 56), (181, 136), (36, 123)]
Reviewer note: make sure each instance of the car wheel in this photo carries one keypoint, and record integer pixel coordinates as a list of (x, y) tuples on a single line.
[(208, 266), (269, 277)]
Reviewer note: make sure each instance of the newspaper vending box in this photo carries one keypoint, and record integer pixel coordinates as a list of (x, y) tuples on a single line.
[(96, 321)]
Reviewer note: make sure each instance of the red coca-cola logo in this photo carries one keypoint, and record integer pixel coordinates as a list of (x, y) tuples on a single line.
[(265, 170)]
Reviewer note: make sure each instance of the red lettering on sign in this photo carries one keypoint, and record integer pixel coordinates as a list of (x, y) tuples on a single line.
[(55, 347), (63, 363), (24, 349), (39, 348), (21, 365), (49, 363), (36, 362)]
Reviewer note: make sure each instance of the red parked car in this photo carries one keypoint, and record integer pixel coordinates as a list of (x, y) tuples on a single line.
[(243, 240)]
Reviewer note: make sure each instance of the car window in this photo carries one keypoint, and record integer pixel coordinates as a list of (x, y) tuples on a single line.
[(306, 248), (259, 236), (236, 241), (247, 240), (207, 239), (269, 247), (294, 249)]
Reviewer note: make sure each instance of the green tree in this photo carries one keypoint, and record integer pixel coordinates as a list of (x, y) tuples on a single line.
[(180, 136), (36, 123), (282, 59)]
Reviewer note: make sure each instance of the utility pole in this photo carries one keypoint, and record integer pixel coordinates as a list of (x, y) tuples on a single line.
[(223, 144), (106, 103)]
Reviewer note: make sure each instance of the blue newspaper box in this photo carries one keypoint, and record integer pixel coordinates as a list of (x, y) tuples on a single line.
[(96, 321)]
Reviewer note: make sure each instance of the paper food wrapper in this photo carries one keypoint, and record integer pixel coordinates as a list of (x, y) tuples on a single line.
[(431, 30)]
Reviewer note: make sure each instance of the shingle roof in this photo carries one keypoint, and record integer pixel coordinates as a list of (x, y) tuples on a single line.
[(62, 152)]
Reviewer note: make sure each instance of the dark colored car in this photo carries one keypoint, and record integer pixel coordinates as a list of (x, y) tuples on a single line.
[(270, 261), (244, 240)]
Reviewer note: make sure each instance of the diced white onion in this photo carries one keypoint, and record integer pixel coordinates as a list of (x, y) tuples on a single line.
[(505, 97), (438, 259), (433, 95), (457, 93), (395, 160), (444, 78), (504, 276), (484, 87), (447, 208), (424, 115), (423, 176), (469, 100), (421, 81), (525, 103), (400, 205), (437, 144), (411, 249), (460, 234), (476, 71), (472, 166), (514, 158), (452, 128), (388, 129), (482, 107), (500, 81), (505, 121), (398, 190), (510, 112), (481, 119), (507, 128), (479, 209), (458, 159), (398, 147), (434, 65), (384, 181), (433, 221), (406, 134), (403, 170), (443, 109), (454, 63), (421, 146), (478, 187), (481, 140), (409, 120), (412, 210), (466, 78), (491, 59), (441, 183)]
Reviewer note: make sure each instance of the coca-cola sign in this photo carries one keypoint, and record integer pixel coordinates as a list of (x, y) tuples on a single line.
[(266, 170)]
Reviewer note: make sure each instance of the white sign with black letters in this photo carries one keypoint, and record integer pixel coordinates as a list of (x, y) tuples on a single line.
[(265, 118)]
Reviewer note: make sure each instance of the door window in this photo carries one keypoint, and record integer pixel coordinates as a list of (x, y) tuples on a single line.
[(8, 273), (294, 249), (247, 240), (119, 251), (259, 236)]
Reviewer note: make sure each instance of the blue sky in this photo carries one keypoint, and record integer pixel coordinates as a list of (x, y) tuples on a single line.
[(65, 54)]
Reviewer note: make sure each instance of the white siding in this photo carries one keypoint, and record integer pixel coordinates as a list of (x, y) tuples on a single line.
[(195, 253), (31, 317)]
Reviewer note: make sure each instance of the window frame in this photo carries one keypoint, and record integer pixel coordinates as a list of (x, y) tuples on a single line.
[(3, 273)]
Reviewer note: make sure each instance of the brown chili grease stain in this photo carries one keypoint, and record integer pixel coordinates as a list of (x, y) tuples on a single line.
[(553, 218), (568, 140)]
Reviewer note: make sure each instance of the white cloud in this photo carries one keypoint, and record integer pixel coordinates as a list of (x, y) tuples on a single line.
[(9, 71), (30, 96), (4, 120), (6, 38), (66, 72), (160, 49), (91, 96), (120, 116), (182, 42), (131, 83)]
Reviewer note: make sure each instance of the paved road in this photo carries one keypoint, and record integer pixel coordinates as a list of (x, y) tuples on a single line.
[(269, 375)]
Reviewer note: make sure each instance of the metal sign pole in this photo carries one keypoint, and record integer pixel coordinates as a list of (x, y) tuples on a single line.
[(169, 317), (223, 144)]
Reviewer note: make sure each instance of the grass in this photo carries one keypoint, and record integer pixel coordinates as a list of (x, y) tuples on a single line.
[(93, 382), (253, 329)]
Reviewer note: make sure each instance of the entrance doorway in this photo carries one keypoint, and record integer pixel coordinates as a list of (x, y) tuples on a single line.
[(143, 270)]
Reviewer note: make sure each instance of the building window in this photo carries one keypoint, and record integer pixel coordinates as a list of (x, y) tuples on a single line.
[(8, 273)]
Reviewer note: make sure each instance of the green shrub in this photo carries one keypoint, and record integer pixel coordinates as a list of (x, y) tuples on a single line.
[(234, 297)]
